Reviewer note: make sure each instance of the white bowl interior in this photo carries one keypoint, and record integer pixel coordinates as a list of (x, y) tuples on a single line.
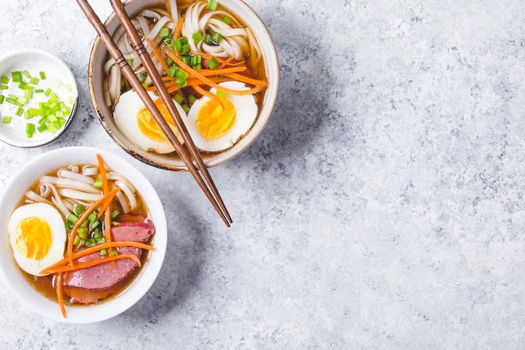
[(99, 55), (55, 69), (27, 295)]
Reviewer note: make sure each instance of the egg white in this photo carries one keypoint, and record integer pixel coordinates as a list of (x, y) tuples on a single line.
[(246, 112), (125, 116), (58, 236)]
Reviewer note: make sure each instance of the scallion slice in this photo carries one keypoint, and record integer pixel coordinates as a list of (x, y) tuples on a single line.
[(212, 63), (197, 37), (179, 98), (17, 76), (227, 20), (213, 5), (30, 130), (4, 87), (19, 112), (4, 79), (6, 119), (2, 98), (26, 74), (164, 33), (42, 75)]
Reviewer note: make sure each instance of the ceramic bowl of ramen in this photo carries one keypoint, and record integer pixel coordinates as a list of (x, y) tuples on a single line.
[(218, 62), (80, 244)]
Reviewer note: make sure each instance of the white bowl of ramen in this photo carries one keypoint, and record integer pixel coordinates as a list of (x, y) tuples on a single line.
[(215, 149), (35, 296)]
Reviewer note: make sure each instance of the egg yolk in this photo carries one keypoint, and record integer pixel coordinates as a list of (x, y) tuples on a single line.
[(215, 118), (149, 127), (33, 238)]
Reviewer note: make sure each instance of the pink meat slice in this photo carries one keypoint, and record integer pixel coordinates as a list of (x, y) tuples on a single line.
[(107, 275)]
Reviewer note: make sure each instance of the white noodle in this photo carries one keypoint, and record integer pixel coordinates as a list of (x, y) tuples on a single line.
[(123, 203), (74, 194), (129, 194), (74, 176), (69, 183)]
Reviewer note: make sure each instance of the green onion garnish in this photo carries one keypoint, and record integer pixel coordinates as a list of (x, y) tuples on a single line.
[(13, 101), (185, 49), (22, 85), (42, 75), (26, 74), (172, 72), (19, 111), (165, 32), (77, 240), (213, 5), (28, 94), (180, 82), (104, 252), (2, 98), (98, 184), (169, 61), (73, 218), (17, 76), (208, 39), (93, 215), (179, 44), (6, 119), (4, 87), (197, 37), (113, 253), (4, 79), (179, 98), (186, 108), (212, 63), (221, 94), (30, 130), (227, 20), (34, 81), (186, 60), (39, 91), (181, 74), (115, 213), (48, 92), (42, 128), (95, 224), (217, 38), (192, 99), (80, 209)]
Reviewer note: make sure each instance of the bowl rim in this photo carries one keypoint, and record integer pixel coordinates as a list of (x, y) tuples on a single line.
[(161, 238), (210, 163), (68, 72)]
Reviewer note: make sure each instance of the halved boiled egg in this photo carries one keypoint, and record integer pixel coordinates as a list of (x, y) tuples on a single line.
[(38, 236), (217, 124), (138, 125)]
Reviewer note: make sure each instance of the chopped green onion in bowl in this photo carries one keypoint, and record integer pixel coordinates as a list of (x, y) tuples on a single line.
[(37, 98)]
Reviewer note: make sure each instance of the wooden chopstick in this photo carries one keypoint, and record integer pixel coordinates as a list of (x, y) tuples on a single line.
[(138, 46), (127, 71)]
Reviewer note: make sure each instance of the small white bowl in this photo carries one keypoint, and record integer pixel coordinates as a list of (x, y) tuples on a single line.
[(13, 278), (55, 69)]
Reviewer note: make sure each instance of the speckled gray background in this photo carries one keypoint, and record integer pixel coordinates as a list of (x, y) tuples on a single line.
[(382, 208)]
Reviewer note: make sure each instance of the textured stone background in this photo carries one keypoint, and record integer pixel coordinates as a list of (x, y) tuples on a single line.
[(382, 208)]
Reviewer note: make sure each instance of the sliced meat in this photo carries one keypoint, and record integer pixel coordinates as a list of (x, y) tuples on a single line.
[(102, 279), (133, 231)]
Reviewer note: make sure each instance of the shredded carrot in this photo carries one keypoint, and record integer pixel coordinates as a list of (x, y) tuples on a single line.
[(158, 54), (91, 263), (60, 295), (246, 79), (73, 234), (178, 28), (95, 249), (209, 82), (106, 208)]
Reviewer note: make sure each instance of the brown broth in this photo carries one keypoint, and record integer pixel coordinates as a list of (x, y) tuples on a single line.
[(45, 286), (256, 72)]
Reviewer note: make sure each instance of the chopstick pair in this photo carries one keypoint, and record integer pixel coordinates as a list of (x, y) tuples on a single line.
[(211, 193)]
